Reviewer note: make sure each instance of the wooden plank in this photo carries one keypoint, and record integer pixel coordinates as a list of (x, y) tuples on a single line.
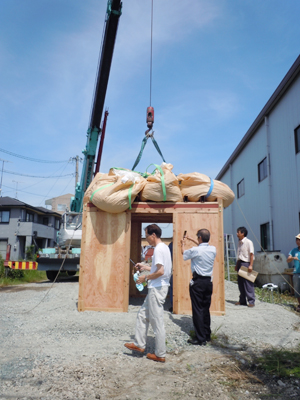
[(135, 253), (104, 261)]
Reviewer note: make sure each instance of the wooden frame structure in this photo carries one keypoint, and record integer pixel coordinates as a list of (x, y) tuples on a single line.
[(110, 240)]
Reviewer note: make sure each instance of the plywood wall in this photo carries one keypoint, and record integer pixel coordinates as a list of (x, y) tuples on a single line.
[(104, 261), (110, 240), (191, 220)]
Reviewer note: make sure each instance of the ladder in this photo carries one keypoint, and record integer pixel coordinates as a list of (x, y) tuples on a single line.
[(230, 251)]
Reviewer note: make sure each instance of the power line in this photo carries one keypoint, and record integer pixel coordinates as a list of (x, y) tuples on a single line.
[(35, 176), (31, 159)]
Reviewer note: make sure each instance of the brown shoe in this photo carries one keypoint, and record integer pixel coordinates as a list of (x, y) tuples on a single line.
[(251, 305), (237, 304), (155, 358), (132, 346)]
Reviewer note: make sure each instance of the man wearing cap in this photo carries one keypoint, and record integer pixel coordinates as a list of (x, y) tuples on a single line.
[(245, 257), (294, 255)]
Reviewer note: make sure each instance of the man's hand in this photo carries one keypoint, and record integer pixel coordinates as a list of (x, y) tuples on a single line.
[(142, 267), (250, 268), (141, 279)]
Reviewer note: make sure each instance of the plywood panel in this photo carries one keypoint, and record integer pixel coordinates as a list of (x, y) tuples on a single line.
[(104, 261), (191, 222)]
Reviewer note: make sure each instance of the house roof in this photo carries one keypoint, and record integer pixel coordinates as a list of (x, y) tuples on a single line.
[(286, 82), (15, 203)]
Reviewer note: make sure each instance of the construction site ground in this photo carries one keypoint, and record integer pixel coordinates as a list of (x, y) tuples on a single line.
[(49, 350)]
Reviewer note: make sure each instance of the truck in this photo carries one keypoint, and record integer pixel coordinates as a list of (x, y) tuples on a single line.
[(66, 255)]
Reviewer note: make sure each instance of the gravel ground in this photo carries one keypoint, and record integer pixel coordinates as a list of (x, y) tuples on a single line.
[(51, 351)]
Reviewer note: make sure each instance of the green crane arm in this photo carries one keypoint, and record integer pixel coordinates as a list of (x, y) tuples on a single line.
[(114, 10)]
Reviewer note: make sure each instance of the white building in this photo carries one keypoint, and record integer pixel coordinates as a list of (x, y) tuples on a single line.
[(264, 172)]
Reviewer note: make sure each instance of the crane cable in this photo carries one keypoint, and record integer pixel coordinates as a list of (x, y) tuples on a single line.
[(149, 132)]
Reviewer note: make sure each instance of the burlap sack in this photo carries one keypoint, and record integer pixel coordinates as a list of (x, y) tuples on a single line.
[(162, 185), (195, 185), (99, 180), (114, 193)]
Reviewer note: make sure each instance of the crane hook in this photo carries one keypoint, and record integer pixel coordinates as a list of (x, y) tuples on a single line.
[(149, 119)]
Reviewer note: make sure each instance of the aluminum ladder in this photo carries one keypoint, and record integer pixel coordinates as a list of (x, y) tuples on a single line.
[(230, 251)]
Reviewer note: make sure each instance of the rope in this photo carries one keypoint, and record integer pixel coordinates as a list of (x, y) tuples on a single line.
[(263, 250)]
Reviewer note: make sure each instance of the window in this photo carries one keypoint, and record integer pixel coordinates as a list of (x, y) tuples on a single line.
[(45, 221), (265, 236), (29, 217), (297, 139), (241, 188), (61, 207), (4, 217), (262, 170), (57, 223)]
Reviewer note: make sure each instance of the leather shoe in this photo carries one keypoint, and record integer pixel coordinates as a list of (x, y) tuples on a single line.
[(251, 305), (154, 357), (132, 346), (195, 341), (239, 304)]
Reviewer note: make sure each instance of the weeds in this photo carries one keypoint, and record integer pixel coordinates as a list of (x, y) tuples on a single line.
[(284, 298), (16, 277), (283, 363)]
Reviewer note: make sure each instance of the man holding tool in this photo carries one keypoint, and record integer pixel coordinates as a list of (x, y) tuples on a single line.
[(294, 255), (152, 310), (202, 260), (245, 258)]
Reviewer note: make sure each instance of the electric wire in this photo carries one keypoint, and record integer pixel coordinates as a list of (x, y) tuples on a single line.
[(35, 176), (29, 158)]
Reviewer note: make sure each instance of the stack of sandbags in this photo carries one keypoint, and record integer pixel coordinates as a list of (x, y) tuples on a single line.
[(116, 191), (161, 185), (195, 185)]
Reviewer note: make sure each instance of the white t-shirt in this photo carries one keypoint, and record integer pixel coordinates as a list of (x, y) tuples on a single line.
[(161, 255)]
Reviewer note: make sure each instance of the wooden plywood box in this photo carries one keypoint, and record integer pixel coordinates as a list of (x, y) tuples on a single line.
[(110, 240)]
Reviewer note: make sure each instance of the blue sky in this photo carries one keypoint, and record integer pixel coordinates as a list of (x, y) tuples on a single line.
[(215, 65)]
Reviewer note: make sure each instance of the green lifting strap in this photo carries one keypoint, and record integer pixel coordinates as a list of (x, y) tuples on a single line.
[(163, 184), (142, 149), (129, 195), (100, 188)]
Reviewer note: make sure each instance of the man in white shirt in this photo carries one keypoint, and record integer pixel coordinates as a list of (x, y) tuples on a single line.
[(202, 261), (245, 258), (152, 310)]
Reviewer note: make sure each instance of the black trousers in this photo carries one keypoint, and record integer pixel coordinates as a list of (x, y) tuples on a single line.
[(200, 293)]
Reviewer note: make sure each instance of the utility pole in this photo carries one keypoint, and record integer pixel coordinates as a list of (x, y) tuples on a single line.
[(3, 161), (17, 188), (76, 159)]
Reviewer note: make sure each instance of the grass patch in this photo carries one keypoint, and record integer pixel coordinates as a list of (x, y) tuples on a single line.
[(232, 272), (16, 277), (283, 363), (27, 277), (278, 298)]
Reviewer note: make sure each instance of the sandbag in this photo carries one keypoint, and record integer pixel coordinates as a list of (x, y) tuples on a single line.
[(116, 191), (196, 185), (162, 185), (99, 180)]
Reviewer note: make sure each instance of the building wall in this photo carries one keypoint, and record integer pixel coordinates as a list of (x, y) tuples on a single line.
[(61, 203), (19, 233), (276, 199)]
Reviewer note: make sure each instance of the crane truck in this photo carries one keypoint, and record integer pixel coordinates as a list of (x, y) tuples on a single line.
[(66, 255)]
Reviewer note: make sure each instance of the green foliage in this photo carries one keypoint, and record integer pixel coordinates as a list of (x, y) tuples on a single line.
[(283, 363), (285, 299), (30, 254), (14, 277)]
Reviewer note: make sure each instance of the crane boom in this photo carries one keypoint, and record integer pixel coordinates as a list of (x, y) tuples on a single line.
[(114, 10)]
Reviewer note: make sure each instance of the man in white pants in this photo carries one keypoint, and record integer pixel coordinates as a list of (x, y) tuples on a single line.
[(152, 310)]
